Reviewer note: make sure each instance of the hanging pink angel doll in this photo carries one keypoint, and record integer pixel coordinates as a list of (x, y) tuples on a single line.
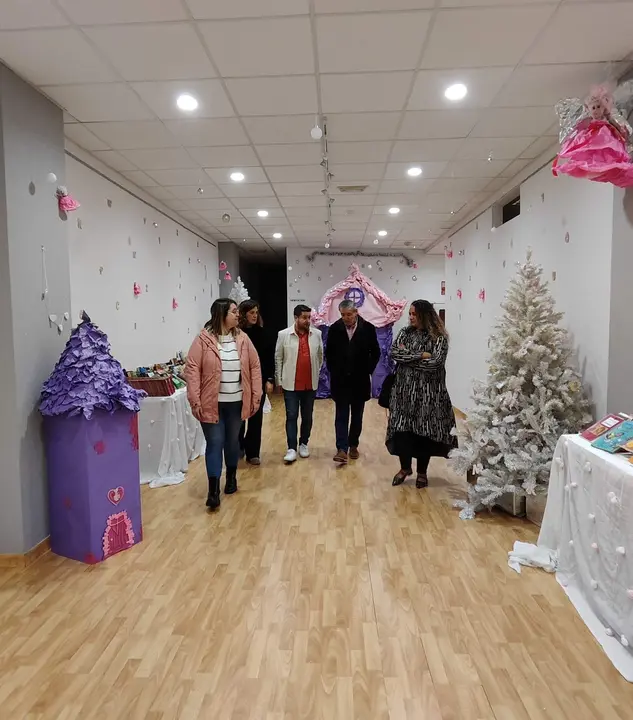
[(595, 140)]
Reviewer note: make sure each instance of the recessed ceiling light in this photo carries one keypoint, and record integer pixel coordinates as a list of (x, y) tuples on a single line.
[(382, 233), (394, 211), (277, 236), (187, 102), (414, 171), (237, 176), (376, 241), (262, 213), (456, 92)]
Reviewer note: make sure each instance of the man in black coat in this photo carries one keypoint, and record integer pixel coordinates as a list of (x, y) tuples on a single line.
[(351, 354)]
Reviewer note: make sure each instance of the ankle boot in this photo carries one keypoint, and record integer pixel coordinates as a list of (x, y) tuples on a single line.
[(231, 481), (213, 498)]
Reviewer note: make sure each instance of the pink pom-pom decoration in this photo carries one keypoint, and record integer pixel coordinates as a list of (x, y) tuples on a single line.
[(227, 275), (459, 294), (174, 304), (223, 266), (482, 295), (65, 201), (449, 254), (137, 290)]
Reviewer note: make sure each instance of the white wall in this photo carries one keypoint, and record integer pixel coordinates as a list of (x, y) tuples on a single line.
[(308, 281), (123, 241), (550, 208)]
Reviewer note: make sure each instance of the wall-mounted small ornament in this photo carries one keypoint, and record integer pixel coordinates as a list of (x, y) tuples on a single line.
[(189, 261), (554, 276), (155, 225), (307, 274), (566, 237), (177, 233), (504, 263), (51, 178), (31, 188), (198, 261), (459, 294), (180, 286), (480, 315), (289, 268), (462, 252), (227, 276), (118, 305), (129, 241), (331, 264), (476, 263), (380, 269), (52, 319), (163, 318), (443, 287), (470, 278), (198, 244), (135, 326), (137, 290), (391, 277), (169, 263), (134, 254), (460, 317), (415, 266), (319, 279), (511, 242), (300, 276), (101, 270), (493, 229), (223, 265), (195, 298), (414, 278), (476, 226), (66, 316), (542, 197), (174, 304), (147, 288), (65, 201), (144, 221), (80, 225), (449, 254), (159, 239), (109, 202), (482, 295)]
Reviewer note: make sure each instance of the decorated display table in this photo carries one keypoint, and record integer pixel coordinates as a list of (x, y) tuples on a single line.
[(588, 522), (169, 439)]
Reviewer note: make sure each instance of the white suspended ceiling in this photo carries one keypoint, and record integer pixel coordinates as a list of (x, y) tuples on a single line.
[(263, 69)]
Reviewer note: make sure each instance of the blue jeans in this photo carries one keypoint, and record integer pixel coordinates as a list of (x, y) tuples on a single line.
[(295, 400), (223, 436)]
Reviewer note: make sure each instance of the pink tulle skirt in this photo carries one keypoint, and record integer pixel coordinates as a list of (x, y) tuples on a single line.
[(596, 152)]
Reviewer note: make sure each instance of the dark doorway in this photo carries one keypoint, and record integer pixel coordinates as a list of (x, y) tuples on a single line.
[(266, 283), (442, 314)]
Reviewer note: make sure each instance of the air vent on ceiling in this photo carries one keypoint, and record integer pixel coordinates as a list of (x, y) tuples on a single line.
[(352, 188)]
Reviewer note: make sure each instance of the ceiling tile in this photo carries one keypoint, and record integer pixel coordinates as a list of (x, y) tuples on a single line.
[(237, 156), (424, 150), (533, 85), (133, 135), (367, 197), (81, 135), (165, 51), (89, 103), (586, 32), (486, 3), (541, 145), (160, 159), (413, 186), (222, 176), (483, 85), (351, 214), (253, 190), (357, 171), (50, 57), (297, 188), (303, 154), (474, 148), (161, 98), (362, 126), (140, 178), (474, 168), (365, 92), (295, 202), (114, 160), (176, 205), (360, 43), (223, 9), (216, 204), (358, 152), (503, 36), (460, 186), (207, 132), (190, 192), (22, 14), (274, 96), (84, 12), (513, 122), (514, 168), (160, 193), (269, 46), (295, 173), (279, 129), (398, 171), (438, 124), (253, 204), (371, 188), (178, 177), (348, 6)]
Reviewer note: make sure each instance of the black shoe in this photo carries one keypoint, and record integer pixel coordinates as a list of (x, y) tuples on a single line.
[(421, 481), (231, 481), (213, 498), (401, 477)]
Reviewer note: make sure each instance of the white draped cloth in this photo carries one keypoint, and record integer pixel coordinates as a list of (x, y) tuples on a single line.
[(588, 523), (169, 439)]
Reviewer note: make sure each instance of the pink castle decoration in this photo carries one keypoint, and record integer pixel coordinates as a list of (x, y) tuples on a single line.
[(376, 307)]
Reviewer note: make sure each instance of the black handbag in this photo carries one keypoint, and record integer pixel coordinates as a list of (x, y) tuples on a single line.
[(385, 391)]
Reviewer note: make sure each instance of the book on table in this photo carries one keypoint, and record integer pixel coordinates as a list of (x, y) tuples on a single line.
[(609, 422), (617, 440)]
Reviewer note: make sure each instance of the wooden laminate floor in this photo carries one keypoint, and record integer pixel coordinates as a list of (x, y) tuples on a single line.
[(315, 593)]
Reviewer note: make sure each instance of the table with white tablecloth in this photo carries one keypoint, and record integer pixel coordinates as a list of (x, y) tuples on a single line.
[(169, 439), (588, 522)]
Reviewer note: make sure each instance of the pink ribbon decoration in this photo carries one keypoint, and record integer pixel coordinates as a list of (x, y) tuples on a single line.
[(227, 275), (223, 266), (390, 311), (137, 289), (459, 294), (65, 201), (174, 304), (482, 295)]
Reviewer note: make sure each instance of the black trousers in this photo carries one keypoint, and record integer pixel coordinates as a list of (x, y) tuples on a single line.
[(251, 433), (406, 463), (348, 423)]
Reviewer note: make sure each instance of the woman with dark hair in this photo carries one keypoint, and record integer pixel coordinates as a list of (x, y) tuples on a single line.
[(224, 383), (252, 324), (421, 418)]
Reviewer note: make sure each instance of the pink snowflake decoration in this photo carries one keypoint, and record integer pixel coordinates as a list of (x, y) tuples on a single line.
[(137, 290), (459, 294), (482, 295), (174, 304)]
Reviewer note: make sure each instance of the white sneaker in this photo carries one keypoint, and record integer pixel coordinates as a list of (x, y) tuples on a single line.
[(290, 456), (303, 451)]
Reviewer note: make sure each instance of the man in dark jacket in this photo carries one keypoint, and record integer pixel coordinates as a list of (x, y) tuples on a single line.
[(352, 353)]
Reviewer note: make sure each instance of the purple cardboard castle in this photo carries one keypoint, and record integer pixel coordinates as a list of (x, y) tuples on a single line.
[(91, 440)]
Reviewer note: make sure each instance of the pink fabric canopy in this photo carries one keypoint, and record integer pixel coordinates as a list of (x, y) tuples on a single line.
[(372, 303)]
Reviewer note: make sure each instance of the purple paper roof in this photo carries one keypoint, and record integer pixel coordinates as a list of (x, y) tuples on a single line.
[(87, 378)]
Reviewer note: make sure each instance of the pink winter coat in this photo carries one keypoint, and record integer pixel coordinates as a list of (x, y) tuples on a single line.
[(203, 372)]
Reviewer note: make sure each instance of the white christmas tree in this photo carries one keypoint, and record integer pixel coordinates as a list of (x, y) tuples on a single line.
[(531, 397), (239, 293)]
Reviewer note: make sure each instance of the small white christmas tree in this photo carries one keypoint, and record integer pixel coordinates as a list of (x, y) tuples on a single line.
[(531, 397), (239, 293)]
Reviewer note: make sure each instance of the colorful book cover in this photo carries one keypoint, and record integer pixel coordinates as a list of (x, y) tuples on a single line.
[(602, 426), (616, 440)]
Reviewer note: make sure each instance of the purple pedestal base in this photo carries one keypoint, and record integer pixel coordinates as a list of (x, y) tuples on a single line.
[(94, 484), (385, 365)]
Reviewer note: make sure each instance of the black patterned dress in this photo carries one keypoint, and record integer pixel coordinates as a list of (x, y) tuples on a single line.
[(421, 418)]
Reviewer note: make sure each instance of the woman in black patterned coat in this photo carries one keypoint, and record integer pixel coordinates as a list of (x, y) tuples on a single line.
[(421, 418)]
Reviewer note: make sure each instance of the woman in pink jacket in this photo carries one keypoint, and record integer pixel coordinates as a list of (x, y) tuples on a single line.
[(224, 387)]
